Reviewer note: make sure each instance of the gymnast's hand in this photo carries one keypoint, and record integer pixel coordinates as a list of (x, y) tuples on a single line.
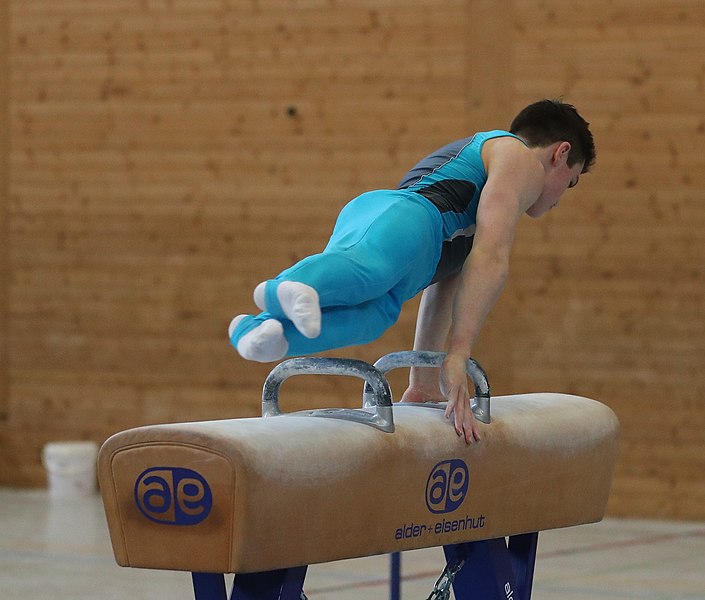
[(423, 386), (417, 394), (454, 385)]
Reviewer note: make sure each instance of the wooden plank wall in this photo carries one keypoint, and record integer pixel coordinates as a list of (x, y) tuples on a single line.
[(607, 294), (165, 156), (4, 226)]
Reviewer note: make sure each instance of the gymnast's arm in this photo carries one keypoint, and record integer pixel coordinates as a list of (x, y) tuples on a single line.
[(432, 326), (515, 180)]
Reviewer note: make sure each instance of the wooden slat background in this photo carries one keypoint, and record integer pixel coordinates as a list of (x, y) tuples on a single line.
[(4, 225), (162, 157)]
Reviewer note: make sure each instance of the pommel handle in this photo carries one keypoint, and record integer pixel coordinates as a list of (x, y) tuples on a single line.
[(376, 413), (412, 358)]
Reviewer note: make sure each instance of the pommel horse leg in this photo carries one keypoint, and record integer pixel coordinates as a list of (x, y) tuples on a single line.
[(493, 570), (282, 584), (487, 569), (246, 496)]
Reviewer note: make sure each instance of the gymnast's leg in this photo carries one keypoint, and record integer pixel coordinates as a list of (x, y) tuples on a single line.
[(377, 238), (343, 326), (385, 247)]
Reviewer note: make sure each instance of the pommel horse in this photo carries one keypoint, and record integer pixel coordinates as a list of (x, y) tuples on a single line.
[(266, 497)]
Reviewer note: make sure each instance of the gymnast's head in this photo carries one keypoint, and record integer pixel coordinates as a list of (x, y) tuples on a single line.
[(546, 122)]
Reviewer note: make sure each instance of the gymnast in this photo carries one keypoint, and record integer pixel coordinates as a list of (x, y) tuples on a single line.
[(447, 230)]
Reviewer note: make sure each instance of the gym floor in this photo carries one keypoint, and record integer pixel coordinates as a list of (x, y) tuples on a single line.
[(60, 550)]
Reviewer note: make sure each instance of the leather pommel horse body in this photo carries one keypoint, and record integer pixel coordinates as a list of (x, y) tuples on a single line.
[(268, 496)]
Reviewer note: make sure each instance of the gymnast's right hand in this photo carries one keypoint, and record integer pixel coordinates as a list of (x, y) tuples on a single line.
[(454, 385)]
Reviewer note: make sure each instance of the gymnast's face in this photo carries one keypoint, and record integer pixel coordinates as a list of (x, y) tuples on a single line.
[(559, 178)]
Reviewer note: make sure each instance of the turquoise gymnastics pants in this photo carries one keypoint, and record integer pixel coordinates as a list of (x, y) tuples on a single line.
[(383, 251)]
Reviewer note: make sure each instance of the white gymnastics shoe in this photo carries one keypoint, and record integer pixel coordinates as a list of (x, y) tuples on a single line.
[(299, 303), (265, 343)]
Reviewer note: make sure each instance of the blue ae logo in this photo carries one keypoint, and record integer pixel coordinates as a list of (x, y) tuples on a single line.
[(173, 496), (447, 486)]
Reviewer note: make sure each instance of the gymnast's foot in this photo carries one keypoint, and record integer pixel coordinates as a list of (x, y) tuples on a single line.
[(265, 343), (299, 303)]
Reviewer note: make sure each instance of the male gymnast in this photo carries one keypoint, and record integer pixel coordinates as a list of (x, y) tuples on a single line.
[(447, 230)]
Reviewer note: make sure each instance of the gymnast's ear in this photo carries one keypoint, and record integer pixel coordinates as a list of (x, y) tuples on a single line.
[(561, 152)]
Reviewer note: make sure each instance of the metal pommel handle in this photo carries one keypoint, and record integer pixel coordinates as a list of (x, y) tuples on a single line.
[(411, 358), (380, 394)]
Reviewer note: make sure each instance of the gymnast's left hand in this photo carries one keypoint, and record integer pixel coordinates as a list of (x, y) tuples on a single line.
[(454, 385)]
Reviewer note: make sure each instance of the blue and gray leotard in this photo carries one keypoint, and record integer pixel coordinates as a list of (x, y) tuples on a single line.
[(452, 178)]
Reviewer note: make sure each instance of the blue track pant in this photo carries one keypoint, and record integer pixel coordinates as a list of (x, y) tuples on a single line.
[(383, 251)]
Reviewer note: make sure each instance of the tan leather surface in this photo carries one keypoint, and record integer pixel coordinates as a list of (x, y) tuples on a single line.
[(294, 490)]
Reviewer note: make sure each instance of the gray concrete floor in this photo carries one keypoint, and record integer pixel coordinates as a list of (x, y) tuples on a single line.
[(56, 549)]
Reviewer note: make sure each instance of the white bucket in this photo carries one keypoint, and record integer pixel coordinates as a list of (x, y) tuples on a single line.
[(71, 467)]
